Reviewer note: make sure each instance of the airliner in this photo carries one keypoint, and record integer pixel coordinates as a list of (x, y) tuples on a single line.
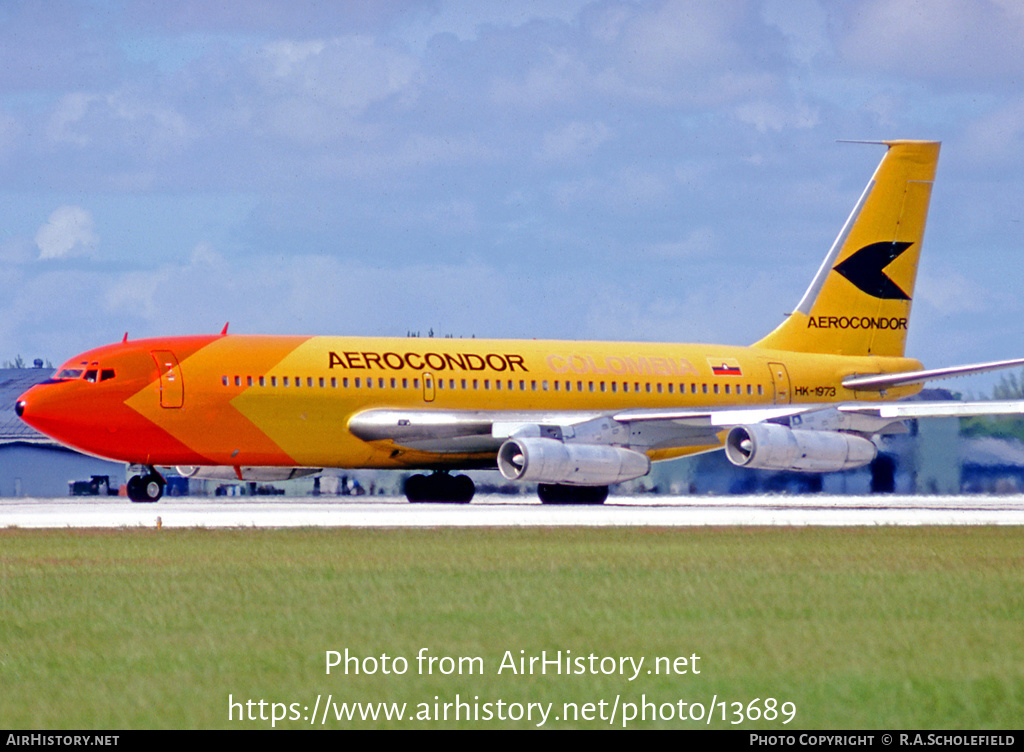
[(814, 395)]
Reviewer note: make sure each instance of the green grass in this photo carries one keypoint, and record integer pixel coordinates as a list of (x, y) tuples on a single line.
[(859, 628)]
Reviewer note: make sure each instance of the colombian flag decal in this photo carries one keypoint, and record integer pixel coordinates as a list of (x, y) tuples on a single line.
[(725, 367)]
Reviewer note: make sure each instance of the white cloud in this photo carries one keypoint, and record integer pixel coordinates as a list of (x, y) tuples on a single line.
[(770, 116), (70, 231), (574, 140), (71, 109), (700, 243), (121, 121), (961, 40), (313, 90), (998, 137), (560, 77), (804, 24)]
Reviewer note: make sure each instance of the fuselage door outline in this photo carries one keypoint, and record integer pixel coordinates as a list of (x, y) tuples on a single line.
[(780, 383), (172, 385)]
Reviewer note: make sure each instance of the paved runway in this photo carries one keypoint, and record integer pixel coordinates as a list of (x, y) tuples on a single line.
[(510, 511)]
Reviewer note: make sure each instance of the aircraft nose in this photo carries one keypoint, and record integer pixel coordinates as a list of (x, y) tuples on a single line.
[(19, 407)]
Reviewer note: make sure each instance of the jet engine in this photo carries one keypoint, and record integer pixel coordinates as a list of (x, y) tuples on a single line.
[(769, 446), (553, 461)]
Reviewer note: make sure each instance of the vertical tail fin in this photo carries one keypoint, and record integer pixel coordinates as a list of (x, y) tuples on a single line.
[(859, 301)]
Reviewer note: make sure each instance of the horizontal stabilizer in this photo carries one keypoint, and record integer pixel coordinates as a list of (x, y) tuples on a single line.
[(880, 382)]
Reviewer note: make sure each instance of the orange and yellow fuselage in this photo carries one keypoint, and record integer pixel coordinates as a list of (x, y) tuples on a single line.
[(286, 401)]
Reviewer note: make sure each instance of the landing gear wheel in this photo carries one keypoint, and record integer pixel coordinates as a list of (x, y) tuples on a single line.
[(439, 488), (146, 488), (556, 493)]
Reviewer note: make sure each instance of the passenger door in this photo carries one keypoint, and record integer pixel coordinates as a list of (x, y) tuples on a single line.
[(780, 383), (172, 386)]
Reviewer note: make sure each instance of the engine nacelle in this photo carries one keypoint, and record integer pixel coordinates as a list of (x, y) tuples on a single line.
[(553, 461), (773, 447), (261, 474)]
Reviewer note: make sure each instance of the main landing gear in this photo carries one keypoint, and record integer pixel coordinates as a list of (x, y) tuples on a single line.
[(440, 487), (556, 493), (148, 487)]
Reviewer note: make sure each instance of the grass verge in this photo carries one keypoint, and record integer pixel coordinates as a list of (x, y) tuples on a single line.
[(858, 628)]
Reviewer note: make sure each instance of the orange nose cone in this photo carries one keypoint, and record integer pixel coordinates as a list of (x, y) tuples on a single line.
[(95, 420)]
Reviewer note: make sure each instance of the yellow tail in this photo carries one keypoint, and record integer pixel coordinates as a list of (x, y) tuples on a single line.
[(859, 301)]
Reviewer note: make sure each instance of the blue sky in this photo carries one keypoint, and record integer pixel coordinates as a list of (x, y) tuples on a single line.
[(585, 170)]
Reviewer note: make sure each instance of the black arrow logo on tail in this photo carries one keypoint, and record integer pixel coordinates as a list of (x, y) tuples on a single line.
[(864, 269)]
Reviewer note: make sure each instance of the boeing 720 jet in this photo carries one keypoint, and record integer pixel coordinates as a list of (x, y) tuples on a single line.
[(574, 417)]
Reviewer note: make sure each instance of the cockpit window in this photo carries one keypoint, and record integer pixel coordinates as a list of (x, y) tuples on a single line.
[(92, 375)]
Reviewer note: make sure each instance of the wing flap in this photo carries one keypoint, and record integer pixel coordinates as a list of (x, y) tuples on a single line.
[(940, 409)]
